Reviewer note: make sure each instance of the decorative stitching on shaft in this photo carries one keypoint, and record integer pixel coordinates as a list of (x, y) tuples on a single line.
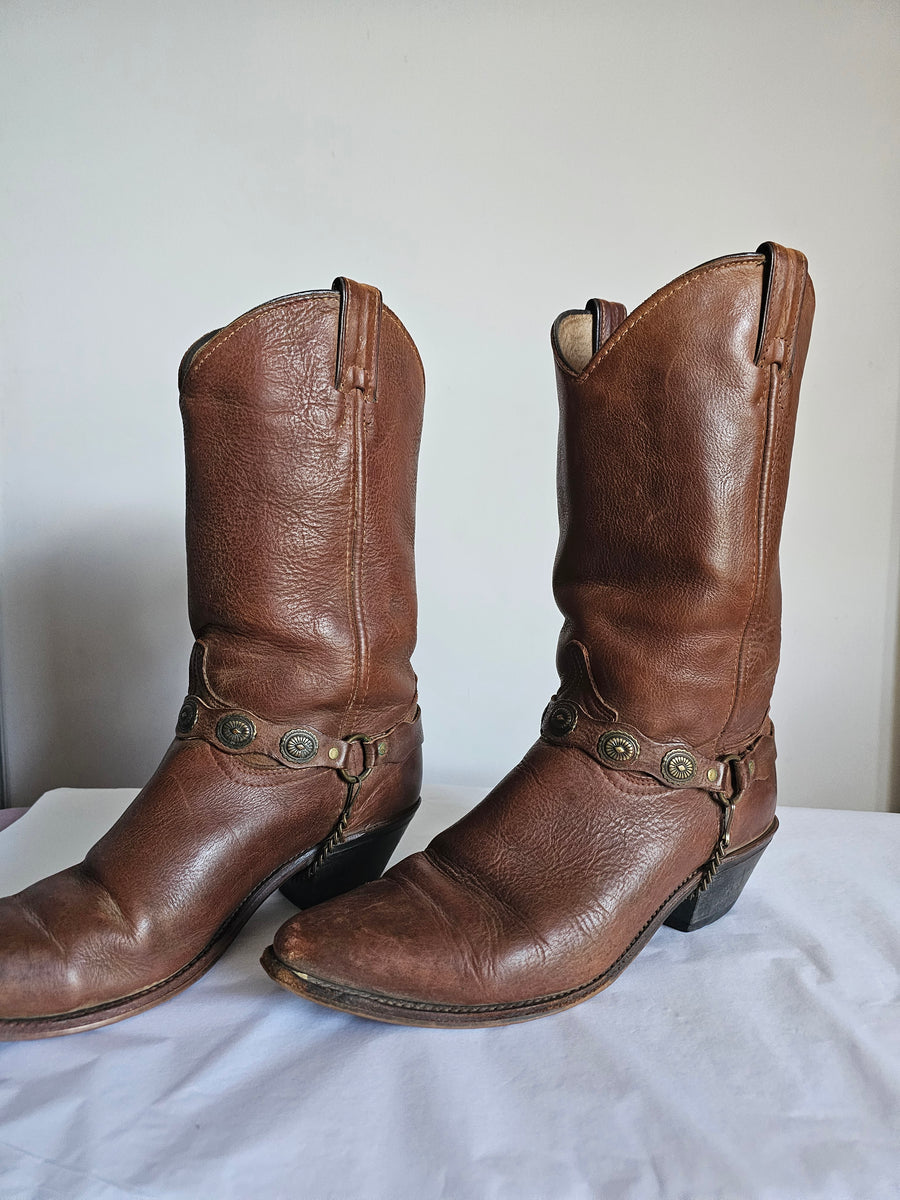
[(635, 319), (251, 318)]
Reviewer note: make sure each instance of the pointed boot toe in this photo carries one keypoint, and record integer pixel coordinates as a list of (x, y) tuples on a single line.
[(382, 950)]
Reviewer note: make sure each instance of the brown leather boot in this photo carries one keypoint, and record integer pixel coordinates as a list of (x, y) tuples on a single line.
[(297, 759), (651, 792)]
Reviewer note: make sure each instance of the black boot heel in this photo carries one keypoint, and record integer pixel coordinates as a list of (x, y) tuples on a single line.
[(349, 864), (702, 908)]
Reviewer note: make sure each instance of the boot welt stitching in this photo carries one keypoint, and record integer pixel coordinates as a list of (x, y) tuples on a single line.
[(220, 932), (517, 1005), (773, 393)]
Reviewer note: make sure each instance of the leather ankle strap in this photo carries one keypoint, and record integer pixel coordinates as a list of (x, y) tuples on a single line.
[(295, 745), (621, 747)]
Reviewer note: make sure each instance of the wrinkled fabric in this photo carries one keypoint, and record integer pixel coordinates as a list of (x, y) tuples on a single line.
[(756, 1059)]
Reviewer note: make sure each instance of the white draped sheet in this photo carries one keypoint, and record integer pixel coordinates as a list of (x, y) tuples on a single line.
[(756, 1059)]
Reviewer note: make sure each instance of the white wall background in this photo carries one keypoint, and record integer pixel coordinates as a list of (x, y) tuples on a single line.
[(167, 166)]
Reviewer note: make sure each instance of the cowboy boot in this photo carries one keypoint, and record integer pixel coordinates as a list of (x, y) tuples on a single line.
[(296, 760), (651, 792)]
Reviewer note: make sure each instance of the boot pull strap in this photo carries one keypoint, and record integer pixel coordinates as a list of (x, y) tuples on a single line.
[(358, 332), (784, 282), (606, 317)]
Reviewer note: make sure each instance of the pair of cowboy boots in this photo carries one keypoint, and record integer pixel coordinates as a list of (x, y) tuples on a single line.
[(297, 761)]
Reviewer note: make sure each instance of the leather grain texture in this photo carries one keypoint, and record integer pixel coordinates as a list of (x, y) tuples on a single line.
[(674, 448), (301, 478)]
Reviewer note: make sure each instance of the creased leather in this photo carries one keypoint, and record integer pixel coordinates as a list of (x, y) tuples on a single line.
[(674, 449), (300, 523)]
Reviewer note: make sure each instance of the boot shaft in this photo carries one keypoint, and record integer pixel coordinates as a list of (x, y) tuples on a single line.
[(676, 430), (302, 421)]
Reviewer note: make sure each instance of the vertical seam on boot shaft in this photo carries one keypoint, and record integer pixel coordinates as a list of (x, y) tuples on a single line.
[(776, 380), (350, 401), (781, 380), (354, 596), (356, 396), (362, 441), (644, 310), (348, 411)]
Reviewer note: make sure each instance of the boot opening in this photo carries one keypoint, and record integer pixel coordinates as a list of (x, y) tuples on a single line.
[(578, 336), (574, 337)]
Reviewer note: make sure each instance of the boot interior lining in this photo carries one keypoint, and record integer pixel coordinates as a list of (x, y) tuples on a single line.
[(575, 339)]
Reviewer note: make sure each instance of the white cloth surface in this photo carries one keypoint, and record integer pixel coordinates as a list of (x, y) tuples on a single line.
[(756, 1059)]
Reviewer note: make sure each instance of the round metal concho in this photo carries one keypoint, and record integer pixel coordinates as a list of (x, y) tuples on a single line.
[(618, 748), (235, 731), (299, 746), (679, 766), (561, 719), (187, 716)]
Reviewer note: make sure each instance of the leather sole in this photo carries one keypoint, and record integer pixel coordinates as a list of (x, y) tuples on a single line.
[(686, 909), (359, 859)]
